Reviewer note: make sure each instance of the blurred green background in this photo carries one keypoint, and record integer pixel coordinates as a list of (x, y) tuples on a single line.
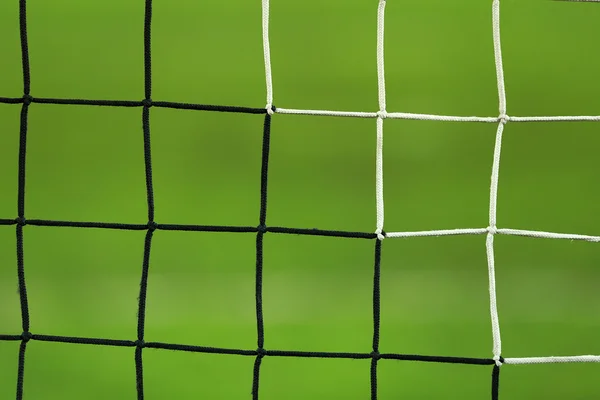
[(86, 164)]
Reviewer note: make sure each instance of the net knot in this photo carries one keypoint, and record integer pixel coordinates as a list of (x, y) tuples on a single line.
[(503, 118), (498, 360), (376, 355), (380, 234), (26, 336), (270, 109), (152, 225), (27, 99), (492, 230), (147, 103), (140, 343), (21, 221), (262, 228), (382, 114), (260, 352)]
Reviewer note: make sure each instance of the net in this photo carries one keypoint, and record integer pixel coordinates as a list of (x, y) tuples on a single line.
[(378, 236)]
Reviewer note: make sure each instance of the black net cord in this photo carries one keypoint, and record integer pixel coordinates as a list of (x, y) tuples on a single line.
[(262, 229), (21, 197), (495, 382), (192, 228), (133, 103), (147, 103), (376, 317)]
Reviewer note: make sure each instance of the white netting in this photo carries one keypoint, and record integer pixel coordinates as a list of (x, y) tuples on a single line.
[(502, 119)]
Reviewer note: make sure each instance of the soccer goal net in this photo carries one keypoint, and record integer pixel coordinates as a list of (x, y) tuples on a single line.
[(498, 359)]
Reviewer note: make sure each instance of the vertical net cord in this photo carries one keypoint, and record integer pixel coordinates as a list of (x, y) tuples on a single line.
[(492, 230), (21, 197), (262, 229), (375, 355), (381, 115), (147, 102), (262, 223), (267, 55)]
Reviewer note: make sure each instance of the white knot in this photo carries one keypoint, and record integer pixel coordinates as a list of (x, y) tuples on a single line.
[(380, 235), (503, 118), (269, 108), (382, 114), (497, 361), (492, 230)]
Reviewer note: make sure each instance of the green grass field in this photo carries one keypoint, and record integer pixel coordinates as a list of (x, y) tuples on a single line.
[(87, 164)]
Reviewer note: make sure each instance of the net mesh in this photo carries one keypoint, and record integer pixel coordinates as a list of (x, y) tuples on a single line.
[(494, 362)]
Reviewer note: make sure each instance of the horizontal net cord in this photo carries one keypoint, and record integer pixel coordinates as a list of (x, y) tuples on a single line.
[(439, 232), (548, 235), (242, 352), (330, 113), (438, 117), (301, 231), (498, 231), (133, 103), (304, 354), (553, 360)]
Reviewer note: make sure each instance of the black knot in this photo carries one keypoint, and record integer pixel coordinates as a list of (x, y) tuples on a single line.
[(261, 352), (140, 343), (147, 103), (262, 228), (26, 336), (375, 355), (27, 99), (152, 225), (273, 108), (21, 221)]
